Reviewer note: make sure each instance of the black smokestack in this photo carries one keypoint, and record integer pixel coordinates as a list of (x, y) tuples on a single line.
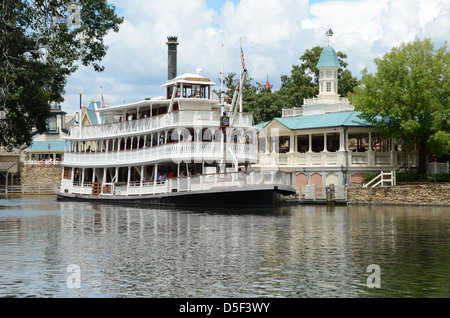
[(172, 66)]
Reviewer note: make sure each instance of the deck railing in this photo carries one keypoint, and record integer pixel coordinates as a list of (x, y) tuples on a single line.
[(175, 152), (204, 182), (177, 118)]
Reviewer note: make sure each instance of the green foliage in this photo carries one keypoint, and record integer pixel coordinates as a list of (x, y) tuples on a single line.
[(408, 97), (369, 176), (410, 176), (441, 177), (40, 44)]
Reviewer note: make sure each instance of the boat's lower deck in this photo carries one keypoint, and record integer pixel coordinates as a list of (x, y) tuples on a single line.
[(248, 196)]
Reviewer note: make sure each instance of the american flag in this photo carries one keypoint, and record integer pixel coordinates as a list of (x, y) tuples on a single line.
[(103, 101), (243, 60)]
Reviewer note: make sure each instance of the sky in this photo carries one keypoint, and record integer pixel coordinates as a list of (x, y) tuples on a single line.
[(274, 35)]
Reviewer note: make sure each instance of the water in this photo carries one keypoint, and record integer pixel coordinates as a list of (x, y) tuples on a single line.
[(301, 251)]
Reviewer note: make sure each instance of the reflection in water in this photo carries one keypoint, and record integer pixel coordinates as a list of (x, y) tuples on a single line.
[(301, 251)]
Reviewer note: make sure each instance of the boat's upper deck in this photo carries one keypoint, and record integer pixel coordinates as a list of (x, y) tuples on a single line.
[(188, 102)]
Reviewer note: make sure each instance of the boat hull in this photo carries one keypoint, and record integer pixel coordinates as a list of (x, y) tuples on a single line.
[(268, 196)]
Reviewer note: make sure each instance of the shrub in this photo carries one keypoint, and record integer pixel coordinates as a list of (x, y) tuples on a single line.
[(369, 176), (440, 177), (410, 176)]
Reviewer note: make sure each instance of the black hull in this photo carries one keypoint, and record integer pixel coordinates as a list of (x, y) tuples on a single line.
[(266, 197)]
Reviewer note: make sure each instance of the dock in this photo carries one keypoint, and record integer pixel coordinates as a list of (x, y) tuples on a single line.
[(313, 194)]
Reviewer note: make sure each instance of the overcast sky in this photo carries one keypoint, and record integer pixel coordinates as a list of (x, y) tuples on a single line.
[(274, 34)]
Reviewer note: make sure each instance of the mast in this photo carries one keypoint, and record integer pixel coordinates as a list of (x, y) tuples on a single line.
[(222, 109)]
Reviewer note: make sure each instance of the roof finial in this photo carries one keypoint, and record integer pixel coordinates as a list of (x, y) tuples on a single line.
[(329, 34)]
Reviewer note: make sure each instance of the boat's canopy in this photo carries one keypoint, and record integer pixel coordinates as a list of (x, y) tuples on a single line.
[(189, 79)]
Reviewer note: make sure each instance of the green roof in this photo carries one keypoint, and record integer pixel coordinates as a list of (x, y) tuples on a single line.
[(328, 57), (342, 119), (262, 125)]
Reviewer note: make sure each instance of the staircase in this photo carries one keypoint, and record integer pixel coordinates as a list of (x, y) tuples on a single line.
[(385, 179)]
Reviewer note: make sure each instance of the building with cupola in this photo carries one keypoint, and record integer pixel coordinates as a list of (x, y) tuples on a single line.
[(325, 141)]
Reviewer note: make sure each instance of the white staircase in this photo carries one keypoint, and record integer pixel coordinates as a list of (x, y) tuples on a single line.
[(385, 179)]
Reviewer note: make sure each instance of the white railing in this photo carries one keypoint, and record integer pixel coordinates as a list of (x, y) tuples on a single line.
[(27, 189), (315, 192), (383, 160), (382, 179), (175, 152), (292, 112), (325, 100), (437, 168), (177, 118), (42, 163), (192, 183)]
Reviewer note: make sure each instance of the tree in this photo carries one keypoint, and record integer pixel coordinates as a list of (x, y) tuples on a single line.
[(304, 79), (40, 43), (408, 97), (262, 104)]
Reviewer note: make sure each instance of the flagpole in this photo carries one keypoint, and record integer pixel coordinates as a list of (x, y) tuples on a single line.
[(241, 77), (221, 83)]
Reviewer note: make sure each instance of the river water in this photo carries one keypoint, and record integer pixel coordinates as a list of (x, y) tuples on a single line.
[(63, 249)]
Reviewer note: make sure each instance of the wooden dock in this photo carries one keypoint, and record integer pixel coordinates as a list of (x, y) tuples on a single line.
[(312, 194)]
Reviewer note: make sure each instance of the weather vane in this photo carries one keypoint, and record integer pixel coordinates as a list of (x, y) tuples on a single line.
[(329, 34)]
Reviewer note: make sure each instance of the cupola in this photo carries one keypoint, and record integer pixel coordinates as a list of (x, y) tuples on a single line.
[(328, 66)]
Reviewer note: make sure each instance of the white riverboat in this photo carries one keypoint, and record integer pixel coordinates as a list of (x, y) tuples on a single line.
[(183, 149)]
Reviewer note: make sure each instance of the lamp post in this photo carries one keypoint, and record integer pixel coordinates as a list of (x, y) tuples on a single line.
[(224, 124)]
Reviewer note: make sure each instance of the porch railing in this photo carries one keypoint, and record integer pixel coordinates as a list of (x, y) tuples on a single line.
[(338, 159)]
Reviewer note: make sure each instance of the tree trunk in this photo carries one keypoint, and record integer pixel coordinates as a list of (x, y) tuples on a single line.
[(422, 157)]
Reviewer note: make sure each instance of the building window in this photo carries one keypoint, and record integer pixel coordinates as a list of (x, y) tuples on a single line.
[(328, 87), (52, 126)]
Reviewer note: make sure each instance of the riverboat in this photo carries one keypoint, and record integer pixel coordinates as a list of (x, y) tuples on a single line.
[(185, 148)]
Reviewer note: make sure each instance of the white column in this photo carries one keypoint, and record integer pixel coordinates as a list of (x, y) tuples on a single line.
[(83, 171), (310, 142), (128, 179), (291, 143), (142, 180), (341, 141)]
